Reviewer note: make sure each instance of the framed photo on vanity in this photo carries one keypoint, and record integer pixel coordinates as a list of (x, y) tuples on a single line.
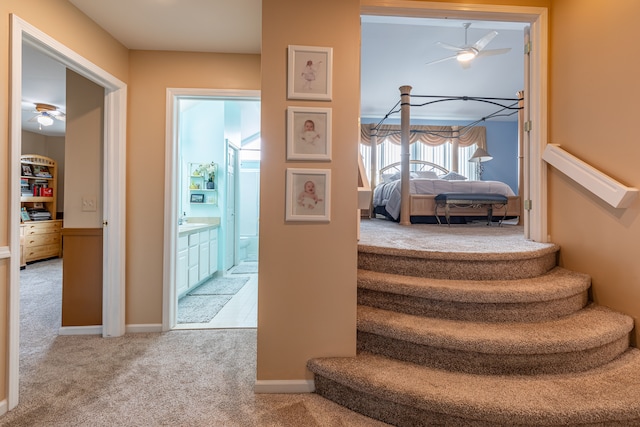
[(308, 195), (310, 73), (308, 133)]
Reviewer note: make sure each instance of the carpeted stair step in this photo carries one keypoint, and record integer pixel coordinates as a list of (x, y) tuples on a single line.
[(556, 293), (459, 266), (583, 340), (406, 394)]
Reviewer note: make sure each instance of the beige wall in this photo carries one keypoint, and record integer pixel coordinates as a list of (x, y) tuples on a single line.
[(150, 76), (307, 282), (83, 154), (65, 23), (307, 292), (593, 112)]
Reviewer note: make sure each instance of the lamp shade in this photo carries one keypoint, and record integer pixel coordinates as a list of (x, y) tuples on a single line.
[(480, 156), (45, 120)]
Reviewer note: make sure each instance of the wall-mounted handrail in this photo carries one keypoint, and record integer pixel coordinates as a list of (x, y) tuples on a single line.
[(608, 189)]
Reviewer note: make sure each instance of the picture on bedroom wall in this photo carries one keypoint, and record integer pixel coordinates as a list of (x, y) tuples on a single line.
[(308, 195), (309, 73), (308, 133)]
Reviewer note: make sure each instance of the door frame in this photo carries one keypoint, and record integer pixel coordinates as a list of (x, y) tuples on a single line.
[(114, 191), (171, 191), (535, 109)]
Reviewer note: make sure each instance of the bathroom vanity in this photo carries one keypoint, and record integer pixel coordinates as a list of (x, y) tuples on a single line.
[(197, 254)]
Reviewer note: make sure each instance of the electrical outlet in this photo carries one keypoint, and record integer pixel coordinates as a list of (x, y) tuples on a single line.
[(89, 203)]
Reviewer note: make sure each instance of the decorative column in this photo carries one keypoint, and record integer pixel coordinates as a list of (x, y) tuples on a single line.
[(405, 122)]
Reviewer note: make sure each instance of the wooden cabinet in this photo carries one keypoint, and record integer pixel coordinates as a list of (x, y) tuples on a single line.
[(23, 261), (41, 234), (42, 240), (38, 185)]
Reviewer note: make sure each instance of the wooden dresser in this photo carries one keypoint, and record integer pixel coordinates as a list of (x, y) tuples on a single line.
[(42, 239)]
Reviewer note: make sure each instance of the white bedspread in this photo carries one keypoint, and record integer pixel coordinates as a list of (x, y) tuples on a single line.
[(388, 194)]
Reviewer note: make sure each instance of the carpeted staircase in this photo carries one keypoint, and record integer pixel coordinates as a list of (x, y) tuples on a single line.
[(483, 339)]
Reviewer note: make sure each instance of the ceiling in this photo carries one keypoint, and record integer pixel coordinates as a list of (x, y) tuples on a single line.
[(395, 52)]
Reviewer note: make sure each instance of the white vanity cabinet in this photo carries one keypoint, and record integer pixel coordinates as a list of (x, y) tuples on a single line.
[(203, 259), (182, 265), (194, 255), (213, 251), (197, 256)]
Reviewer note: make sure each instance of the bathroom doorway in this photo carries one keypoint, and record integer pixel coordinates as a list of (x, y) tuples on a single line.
[(211, 273)]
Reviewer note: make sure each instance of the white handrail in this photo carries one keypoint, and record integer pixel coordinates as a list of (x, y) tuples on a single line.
[(608, 189)]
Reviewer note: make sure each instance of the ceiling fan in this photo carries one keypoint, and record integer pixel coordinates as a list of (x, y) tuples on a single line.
[(46, 113), (465, 54)]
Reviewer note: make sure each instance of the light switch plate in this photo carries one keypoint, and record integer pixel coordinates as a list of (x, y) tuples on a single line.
[(89, 203)]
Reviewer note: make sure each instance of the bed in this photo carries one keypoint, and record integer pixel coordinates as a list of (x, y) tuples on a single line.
[(427, 180)]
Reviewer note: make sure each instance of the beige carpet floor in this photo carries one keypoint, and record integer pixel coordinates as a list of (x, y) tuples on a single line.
[(179, 378), (182, 378)]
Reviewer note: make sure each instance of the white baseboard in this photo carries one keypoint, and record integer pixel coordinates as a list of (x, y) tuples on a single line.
[(284, 386), (80, 330), (3, 407), (141, 328)]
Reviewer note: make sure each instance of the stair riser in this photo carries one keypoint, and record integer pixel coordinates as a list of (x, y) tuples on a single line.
[(486, 312), (458, 269), (463, 360), (388, 411)]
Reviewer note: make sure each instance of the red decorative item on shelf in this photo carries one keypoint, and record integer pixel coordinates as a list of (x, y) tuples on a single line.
[(46, 192)]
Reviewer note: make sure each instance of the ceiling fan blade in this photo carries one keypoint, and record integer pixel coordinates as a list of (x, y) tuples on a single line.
[(449, 46), (484, 41), (492, 52), (441, 60)]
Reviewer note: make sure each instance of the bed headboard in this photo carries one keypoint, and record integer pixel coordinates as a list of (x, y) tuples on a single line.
[(414, 166)]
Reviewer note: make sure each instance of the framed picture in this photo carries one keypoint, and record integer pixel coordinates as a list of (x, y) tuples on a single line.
[(308, 133), (308, 195), (26, 170), (24, 216), (197, 198), (41, 171), (309, 72)]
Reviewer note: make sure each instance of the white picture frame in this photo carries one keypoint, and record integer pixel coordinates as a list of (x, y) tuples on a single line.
[(310, 72), (308, 195), (308, 133)]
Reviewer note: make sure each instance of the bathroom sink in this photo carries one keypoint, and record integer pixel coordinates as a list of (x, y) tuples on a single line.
[(190, 226)]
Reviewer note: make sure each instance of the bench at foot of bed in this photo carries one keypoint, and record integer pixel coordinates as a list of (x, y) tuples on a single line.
[(470, 200)]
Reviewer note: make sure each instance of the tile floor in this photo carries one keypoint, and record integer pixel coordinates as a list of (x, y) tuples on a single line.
[(240, 312)]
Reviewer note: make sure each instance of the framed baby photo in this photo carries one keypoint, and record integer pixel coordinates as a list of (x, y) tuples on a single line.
[(308, 195), (309, 72), (308, 133)]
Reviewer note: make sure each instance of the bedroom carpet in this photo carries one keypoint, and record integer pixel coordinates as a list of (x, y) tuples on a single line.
[(489, 334)]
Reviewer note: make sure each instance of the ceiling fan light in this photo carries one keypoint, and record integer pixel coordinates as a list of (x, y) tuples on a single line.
[(465, 55), (45, 120)]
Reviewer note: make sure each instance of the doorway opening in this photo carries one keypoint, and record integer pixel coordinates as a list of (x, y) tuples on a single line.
[(211, 280), (535, 22)]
